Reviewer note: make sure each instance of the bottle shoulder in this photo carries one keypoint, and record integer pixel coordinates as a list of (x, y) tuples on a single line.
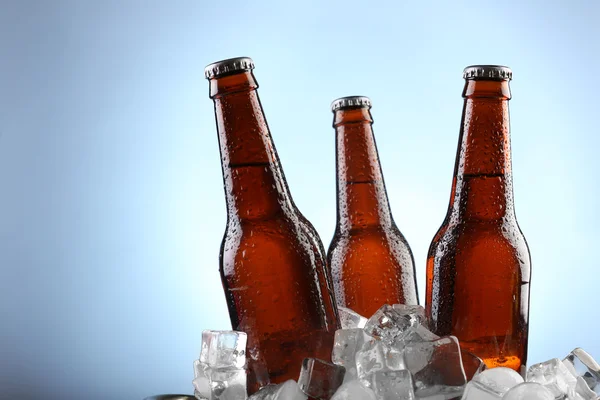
[(375, 240), (502, 226), (370, 234), (276, 233), (481, 243)]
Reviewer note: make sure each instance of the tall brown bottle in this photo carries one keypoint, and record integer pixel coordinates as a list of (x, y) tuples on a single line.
[(478, 267), (370, 259), (272, 261)]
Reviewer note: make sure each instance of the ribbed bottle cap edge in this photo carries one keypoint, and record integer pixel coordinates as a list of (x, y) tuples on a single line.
[(350, 101), (487, 72), (230, 65)]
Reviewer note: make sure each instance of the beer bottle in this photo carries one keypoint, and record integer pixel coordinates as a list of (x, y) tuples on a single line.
[(370, 260), (478, 266), (272, 262)]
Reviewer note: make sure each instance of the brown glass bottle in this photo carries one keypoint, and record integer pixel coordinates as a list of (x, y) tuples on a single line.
[(272, 261), (371, 262), (478, 267)]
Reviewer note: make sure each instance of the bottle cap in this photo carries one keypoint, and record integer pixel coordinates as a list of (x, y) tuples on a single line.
[(228, 66), (350, 101), (494, 72)]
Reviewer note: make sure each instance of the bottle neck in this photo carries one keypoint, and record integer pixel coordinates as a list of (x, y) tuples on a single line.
[(255, 186), (362, 198), (482, 185)]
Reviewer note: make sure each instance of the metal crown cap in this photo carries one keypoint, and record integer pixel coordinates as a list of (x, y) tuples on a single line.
[(496, 72), (350, 101), (228, 66)]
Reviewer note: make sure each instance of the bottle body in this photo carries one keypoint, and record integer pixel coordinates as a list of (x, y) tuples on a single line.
[(370, 268), (478, 265), (272, 261), (275, 285), (370, 260)]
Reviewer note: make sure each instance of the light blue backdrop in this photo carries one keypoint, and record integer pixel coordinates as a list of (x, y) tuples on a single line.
[(111, 200)]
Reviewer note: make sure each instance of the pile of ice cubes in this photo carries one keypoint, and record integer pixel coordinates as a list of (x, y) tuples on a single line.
[(393, 356)]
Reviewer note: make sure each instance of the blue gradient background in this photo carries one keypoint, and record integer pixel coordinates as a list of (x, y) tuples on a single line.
[(112, 207)]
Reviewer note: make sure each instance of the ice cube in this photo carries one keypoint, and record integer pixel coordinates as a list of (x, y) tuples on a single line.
[(416, 312), (475, 391), (350, 319), (258, 373), (436, 367), (227, 384), (393, 385), (415, 333), (219, 383), (370, 359), (437, 397), (528, 391), (499, 380), (320, 379), (394, 357), (472, 364), (581, 364), (417, 356), (492, 384), (201, 380), (399, 324), (582, 391), (223, 349), (554, 375), (347, 343), (354, 390), (288, 390), (387, 324), (199, 368)]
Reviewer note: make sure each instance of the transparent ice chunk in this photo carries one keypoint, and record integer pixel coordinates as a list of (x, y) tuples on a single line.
[(387, 324), (350, 319), (199, 368), (393, 385), (416, 312), (583, 391), (400, 324), (528, 391), (219, 383), (415, 333), (554, 375), (417, 356), (288, 390), (491, 384), (201, 380), (498, 380), (223, 349), (475, 391), (394, 358), (436, 367), (227, 384), (370, 358), (438, 397), (581, 364), (354, 390), (320, 379), (257, 368), (347, 343), (472, 364)]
